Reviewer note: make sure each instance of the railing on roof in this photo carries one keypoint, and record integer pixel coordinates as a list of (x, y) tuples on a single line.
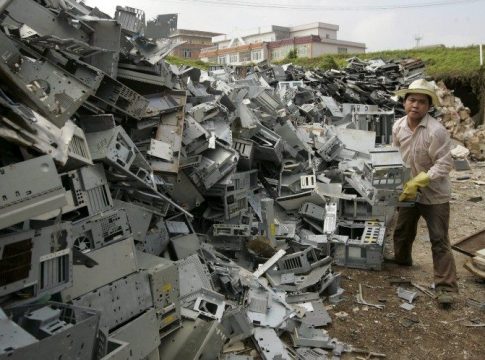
[(207, 49)]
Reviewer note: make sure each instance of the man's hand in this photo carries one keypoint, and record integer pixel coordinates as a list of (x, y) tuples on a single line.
[(411, 187)]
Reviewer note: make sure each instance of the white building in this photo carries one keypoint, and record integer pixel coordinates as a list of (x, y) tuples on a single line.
[(275, 42)]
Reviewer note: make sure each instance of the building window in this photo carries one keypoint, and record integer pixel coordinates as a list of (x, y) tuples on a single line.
[(187, 53), (281, 52), (341, 50), (256, 55), (245, 56), (302, 51), (221, 59), (233, 58), (327, 36), (278, 54)]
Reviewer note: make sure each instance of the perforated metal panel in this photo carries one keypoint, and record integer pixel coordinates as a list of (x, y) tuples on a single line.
[(36, 262), (193, 275), (28, 189), (141, 333), (120, 300), (53, 92), (269, 344), (115, 148), (113, 262), (73, 336), (164, 284), (100, 230)]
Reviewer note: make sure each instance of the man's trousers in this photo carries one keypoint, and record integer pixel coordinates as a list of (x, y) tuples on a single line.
[(437, 217)]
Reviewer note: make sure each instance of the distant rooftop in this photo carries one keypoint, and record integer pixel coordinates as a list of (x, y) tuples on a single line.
[(198, 33), (275, 28)]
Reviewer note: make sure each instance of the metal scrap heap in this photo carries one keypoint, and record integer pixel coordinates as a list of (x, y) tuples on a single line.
[(151, 211)]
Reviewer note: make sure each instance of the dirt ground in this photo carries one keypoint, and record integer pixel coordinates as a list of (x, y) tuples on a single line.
[(427, 331)]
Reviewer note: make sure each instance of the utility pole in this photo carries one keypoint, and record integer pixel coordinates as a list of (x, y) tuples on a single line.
[(418, 38)]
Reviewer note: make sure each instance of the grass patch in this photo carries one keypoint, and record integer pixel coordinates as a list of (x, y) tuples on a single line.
[(441, 62), (452, 64), (175, 60)]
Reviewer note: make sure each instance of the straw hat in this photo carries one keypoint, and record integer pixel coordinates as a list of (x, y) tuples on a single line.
[(421, 86)]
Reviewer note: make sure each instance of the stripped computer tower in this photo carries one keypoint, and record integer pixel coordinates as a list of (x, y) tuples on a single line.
[(362, 247), (164, 283)]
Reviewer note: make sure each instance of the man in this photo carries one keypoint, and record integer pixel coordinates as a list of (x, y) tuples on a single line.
[(425, 148)]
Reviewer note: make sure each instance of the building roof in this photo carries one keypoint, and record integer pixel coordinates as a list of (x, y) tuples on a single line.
[(312, 39), (274, 28), (343, 42), (314, 25), (295, 40), (249, 32), (195, 33), (214, 51)]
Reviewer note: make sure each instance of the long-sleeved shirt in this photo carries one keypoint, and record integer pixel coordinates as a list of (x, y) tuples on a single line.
[(426, 149)]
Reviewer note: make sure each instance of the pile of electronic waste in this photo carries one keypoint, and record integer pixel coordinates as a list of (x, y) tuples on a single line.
[(151, 211)]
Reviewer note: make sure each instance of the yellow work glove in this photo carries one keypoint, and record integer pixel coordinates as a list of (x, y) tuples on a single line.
[(411, 187)]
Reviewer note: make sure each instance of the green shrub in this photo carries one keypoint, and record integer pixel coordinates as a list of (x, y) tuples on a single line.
[(292, 54)]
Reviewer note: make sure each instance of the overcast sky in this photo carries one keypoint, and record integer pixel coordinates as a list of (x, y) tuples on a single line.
[(458, 23)]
